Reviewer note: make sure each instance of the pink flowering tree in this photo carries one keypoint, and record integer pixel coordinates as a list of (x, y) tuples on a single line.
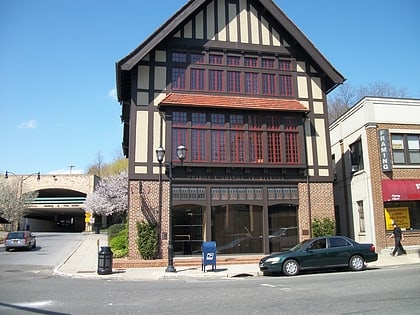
[(110, 197)]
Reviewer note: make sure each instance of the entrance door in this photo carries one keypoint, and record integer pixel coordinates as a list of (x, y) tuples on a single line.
[(187, 230), (283, 232)]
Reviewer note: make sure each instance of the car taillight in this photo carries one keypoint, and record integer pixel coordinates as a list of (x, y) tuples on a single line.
[(372, 248)]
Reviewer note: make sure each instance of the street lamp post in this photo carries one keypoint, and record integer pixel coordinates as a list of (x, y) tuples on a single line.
[(181, 152), (21, 179)]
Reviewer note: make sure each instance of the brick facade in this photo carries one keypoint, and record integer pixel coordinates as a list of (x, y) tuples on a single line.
[(144, 206), (382, 237)]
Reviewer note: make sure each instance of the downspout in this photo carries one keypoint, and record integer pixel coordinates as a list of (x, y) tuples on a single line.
[(308, 186)]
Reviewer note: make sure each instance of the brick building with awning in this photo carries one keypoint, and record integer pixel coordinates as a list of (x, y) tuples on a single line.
[(376, 150)]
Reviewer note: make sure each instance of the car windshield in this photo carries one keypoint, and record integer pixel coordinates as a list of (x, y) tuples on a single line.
[(299, 246)]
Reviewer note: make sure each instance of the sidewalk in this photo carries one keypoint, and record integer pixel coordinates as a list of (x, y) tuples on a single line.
[(83, 263)]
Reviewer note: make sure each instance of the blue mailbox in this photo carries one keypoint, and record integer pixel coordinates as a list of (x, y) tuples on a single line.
[(209, 255)]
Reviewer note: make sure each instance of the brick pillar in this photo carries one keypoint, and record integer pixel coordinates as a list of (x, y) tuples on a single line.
[(144, 206), (319, 204)]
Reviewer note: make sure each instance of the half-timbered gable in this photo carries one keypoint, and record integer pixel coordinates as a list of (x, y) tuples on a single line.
[(240, 86)]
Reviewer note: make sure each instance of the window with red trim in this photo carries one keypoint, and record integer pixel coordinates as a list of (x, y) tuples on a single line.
[(251, 83), (291, 133), (218, 138), (197, 58), (234, 81), (285, 65), (198, 137), (255, 139), (179, 57), (233, 60), (267, 63), (269, 84), (215, 80), (216, 59), (218, 74), (178, 78), (286, 86), (238, 138), (197, 79), (251, 62)]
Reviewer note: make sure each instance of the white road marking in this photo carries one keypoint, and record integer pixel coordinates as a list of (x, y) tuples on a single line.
[(35, 304)]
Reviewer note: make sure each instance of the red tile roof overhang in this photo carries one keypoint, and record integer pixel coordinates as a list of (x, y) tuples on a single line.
[(232, 102)]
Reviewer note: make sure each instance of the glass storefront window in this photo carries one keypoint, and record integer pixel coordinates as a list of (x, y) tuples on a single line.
[(283, 232), (187, 230), (237, 229)]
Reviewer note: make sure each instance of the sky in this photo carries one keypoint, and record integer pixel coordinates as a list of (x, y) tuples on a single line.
[(58, 106)]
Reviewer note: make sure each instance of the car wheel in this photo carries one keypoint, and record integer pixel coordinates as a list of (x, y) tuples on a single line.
[(7, 249), (356, 263), (291, 267)]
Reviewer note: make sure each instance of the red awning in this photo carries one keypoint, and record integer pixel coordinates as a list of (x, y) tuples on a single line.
[(394, 190)]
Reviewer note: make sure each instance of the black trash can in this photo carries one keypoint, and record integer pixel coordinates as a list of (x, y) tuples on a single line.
[(97, 227), (105, 260), (208, 255)]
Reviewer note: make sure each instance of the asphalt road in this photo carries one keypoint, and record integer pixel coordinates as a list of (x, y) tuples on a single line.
[(51, 250), (28, 286), (35, 290)]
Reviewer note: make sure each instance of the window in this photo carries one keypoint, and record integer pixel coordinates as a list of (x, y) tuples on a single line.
[(197, 79), (236, 137), (216, 59), (215, 80), (267, 63), (251, 62), (197, 58), (251, 83), (405, 148), (234, 81), (291, 133), (255, 139), (198, 137), (361, 211), (221, 72), (274, 139), (178, 78), (356, 156), (179, 131), (233, 60), (338, 242), (218, 138), (179, 57), (286, 87), (268, 84), (285, 65), (319, 244)]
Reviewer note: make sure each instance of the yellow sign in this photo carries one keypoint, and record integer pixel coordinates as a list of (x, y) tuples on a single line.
[(399, 215), (87, 216)]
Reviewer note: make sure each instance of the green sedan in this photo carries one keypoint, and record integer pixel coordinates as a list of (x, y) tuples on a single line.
[(327, 252)]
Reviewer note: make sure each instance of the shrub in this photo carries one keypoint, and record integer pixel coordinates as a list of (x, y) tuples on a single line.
[(147, 242), (115, 229), (119, 244), (323, 227)]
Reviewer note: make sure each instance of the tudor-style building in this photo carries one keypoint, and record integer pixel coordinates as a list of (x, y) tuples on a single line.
[(238, 84)]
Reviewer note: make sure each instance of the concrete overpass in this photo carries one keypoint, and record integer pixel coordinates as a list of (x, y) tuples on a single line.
[(58, 206)]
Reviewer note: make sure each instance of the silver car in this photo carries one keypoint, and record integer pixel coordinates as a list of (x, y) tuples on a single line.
[(20, 239)]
